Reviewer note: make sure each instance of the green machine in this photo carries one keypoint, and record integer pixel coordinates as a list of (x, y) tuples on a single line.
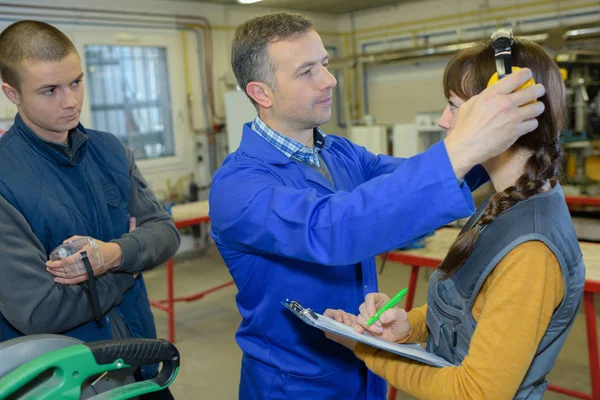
[(53, 367)]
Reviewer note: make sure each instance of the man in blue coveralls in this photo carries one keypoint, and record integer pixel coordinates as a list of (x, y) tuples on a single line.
[(300, 215)]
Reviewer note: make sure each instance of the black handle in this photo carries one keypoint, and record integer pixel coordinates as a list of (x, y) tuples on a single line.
[(93, 294), (139, 352)]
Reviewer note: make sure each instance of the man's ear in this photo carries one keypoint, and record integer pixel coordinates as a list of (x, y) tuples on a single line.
[(11, 93), (261, 93)]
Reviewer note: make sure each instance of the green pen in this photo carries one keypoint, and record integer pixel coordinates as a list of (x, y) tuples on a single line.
[(387, 306)]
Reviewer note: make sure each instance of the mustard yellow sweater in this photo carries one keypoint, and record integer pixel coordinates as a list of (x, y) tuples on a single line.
[(512, 310)]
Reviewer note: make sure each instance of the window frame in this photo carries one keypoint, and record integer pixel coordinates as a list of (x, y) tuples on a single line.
[(171, 41)]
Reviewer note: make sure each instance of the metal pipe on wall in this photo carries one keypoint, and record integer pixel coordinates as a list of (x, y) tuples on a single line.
[(207, 95), (512, 10), (354, 62), (78, 11), (173, 21), (345, 106), (355, 100), (573, 33)]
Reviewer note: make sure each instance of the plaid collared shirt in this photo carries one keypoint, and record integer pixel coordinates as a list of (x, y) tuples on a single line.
[(291, 148)]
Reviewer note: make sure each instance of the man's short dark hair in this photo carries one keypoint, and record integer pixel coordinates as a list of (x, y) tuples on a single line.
[(249, 57), (30, 41)]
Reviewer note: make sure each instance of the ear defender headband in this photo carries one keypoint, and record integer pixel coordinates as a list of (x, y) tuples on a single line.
[(502, 41)]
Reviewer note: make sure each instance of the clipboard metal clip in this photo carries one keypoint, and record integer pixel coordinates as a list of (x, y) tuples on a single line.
[(298, 309)]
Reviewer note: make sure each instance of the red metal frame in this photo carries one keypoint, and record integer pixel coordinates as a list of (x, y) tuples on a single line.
[(582, 201), (591, 287), (168, 304), (569, 392), (592, 339)]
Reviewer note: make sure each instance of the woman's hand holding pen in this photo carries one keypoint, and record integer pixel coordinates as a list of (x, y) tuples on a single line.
[(392, 325)]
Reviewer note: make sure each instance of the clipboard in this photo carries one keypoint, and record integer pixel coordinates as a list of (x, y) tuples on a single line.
[(412, 351)]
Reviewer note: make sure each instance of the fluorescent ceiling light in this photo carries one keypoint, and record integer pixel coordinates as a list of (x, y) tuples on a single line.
[(248, 1)]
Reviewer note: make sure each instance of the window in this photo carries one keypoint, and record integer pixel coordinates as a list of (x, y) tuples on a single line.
[(130, 97)]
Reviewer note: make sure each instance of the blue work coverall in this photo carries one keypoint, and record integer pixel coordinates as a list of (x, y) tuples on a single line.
[(286, 233)]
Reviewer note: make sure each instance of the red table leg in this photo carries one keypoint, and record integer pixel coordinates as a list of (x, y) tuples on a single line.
[(170, 302), (412, 287), (592, 338), (392, 395)]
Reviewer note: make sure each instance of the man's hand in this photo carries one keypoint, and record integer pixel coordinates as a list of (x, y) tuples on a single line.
[(489, 123), (111, 253), (345, 318), (392, 325)]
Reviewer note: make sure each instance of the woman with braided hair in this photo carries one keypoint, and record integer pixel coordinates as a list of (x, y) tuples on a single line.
[(505, 297)]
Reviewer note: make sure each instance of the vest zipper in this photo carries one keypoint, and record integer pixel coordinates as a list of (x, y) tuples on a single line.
[(85, 178)]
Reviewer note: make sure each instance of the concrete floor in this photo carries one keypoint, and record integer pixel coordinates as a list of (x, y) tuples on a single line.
[(210, 357)]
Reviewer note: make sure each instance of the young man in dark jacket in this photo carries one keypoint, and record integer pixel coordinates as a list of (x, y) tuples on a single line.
[(59, 180)]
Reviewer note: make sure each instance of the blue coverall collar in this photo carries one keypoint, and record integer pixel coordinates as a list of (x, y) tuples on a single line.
[(257, 147)]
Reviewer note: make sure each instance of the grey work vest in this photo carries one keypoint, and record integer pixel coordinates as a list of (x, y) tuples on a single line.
[(543, 217)]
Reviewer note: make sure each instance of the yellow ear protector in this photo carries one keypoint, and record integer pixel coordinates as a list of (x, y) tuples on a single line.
[(502, 41), (564, 74)]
